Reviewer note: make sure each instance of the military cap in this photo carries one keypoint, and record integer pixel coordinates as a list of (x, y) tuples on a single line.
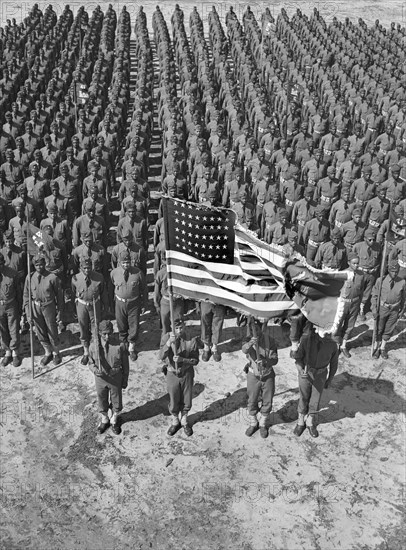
[(106, 327), (320, 209), (69, 149), (330, 170), (52, 208), (335, 232), (357, 212), (22, 187), (39, 259), (395, 168), (54, 185), (124, 256), (309, 191), (64, 166), (19, 139), (90, 207), (369, 234), (367, 169), (283, 214), (345, 141), (33, 163), (179, 323), (9, 234), (85, 261), (86, 235), (352, 256), (283, 142), (130, 206), (380, 155), (127, 234), (47, 137), (393, 266)]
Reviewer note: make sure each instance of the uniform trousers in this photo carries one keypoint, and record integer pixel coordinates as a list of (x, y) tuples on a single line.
[(9, 327), (310, 391), (86, 320), (109, 388), (180, 389), (257, 390), (128, 319), (370, 279), (44, 318), (386, 323), (166, 313), (212, 318), (350, 314)]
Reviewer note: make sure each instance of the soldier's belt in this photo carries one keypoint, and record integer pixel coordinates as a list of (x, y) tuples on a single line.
[(374, 223), (301, 222), (313, 243), (42, 304), (317, 131), (325, 199), (337, 223), (5, 302), (311, 182), (125, 300), (402, 264), (289, 203), (390, 306), (349, 300), (369, 270), (87, 303), (328, 152), (372, 129), (268, 151)]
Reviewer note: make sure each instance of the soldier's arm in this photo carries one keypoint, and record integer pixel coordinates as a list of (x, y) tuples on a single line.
[(333, 366), (144, 289), (300, 356), (125, 365)]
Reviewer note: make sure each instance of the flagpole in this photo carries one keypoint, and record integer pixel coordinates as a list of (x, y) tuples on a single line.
[(96, 335), (30, 297), (378, 303), (170, 290)]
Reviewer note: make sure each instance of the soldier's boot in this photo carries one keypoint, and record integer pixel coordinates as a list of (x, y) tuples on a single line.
[(187, 428), (216, 354), (7, 359), (264, 425), (206, 352), (16, 359), (132, 351), (293, 349), (311, 426), (300, 426), (85, 358), (384, 353), (175, 425), (57, 357), (115, 423), (253, 427), (47, 356), (104, 423), (344, 349), (362, 316)]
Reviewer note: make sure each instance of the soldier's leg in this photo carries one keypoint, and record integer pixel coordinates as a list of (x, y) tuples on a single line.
[(318, 379), (366, 294), (253, 392), (134, 310), (5, 336), (297, 323), (305, 391), (122, 321), (186, 384), (311, 252), (206, 318), (350, 323), (116, 396), (217, 324), (83, 320), (175, 396), (268, 391), (41, 329), (49, 313), (94, 323), (14, 331), (165, 316), (389, 326), (102, 392)]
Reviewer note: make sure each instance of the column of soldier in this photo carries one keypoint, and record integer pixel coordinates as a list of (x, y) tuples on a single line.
[(321, 191)]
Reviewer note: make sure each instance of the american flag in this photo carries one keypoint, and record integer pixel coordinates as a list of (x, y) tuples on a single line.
[(210, 257)]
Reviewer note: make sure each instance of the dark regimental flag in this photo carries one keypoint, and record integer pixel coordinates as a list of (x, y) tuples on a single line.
[(209, 257), (36, 239)]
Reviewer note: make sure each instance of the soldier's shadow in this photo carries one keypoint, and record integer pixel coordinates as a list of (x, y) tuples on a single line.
[(221, 407), (347, 396), (155, 407)]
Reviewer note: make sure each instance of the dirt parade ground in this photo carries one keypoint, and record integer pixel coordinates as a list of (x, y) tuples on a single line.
[(65, 486)]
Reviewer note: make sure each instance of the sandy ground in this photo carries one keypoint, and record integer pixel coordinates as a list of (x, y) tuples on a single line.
[(65, 486)]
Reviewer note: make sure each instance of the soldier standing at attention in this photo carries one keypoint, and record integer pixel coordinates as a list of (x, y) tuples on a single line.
[(10, 306), (262, 355), (131, 296), (389, 308), (180, 355), (89, 288), (47, 308), (109, 364), (317, 363)]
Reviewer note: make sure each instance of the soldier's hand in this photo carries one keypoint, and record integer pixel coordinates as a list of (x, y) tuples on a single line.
[(254, 340), (61, 326), (327, 384), (176, 358), (164, 369), (259, 363), (124, 385), (172, 339)]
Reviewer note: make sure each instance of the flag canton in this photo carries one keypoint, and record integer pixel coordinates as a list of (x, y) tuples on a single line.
[(201, 232)]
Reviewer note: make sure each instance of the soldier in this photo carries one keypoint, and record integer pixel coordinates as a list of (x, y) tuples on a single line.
[(131, 296), (64, 209), (181, 354), (47, 308), (388, 310), (91, 250), (351, 294), (262, 355), (316, 232), (212, 319), (137, 253), (136, 225), (370, 255), (90, 222), (317, 363), (303, 211), (332, 255), (109, 364), (89, 288), (10, 307)]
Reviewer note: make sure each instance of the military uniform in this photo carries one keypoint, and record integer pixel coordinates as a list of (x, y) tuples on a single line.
[(10, 304), (260, 380)]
